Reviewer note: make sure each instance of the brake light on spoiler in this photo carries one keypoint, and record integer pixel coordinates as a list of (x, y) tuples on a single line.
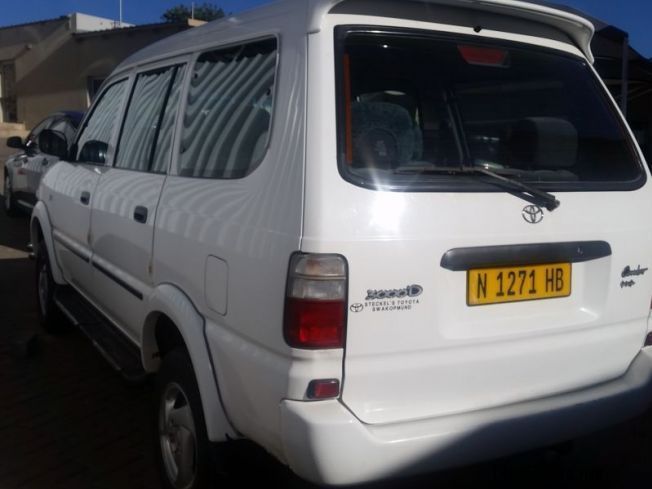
[(483, 56), (315, 301)]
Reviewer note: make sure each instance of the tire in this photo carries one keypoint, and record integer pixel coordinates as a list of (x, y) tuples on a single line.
[(50, 316), (9, 202), (185, 455)]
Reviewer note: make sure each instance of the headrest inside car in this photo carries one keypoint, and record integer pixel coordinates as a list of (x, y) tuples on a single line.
[(543, 143), (383, 135)]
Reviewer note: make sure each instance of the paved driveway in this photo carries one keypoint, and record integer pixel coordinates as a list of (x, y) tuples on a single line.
[(68, 421)]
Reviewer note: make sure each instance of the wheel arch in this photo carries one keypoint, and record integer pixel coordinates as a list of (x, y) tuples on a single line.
[(174, 321)]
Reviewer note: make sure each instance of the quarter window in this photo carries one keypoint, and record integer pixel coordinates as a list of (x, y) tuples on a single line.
[(163, 145), (94, 139), (228, 115)]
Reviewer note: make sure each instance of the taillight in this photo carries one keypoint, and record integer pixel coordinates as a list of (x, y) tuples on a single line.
[(315, 301)]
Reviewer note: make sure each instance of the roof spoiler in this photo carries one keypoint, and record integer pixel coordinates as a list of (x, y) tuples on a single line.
[(579, 29)]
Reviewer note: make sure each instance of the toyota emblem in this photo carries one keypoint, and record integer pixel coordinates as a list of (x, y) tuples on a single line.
[(357, 307), (533, 214)]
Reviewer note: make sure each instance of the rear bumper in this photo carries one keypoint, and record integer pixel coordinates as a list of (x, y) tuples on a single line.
[(326, 444)]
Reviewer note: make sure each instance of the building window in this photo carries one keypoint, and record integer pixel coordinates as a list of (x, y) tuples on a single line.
[(8, 110)]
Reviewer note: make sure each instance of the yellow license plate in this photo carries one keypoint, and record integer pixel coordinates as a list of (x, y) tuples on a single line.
[(513, 284)]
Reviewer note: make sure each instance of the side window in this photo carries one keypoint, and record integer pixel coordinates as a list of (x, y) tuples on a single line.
[(163, 146), (151, 107), (93, 142), (228, 116), (65, 127)]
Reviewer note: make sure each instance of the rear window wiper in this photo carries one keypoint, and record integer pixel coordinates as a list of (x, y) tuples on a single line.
[(546, 199)]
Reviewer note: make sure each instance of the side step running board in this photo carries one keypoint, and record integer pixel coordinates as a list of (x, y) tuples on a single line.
[(117, 349)]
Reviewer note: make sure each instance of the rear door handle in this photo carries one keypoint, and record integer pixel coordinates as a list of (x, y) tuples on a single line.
[(140, 214), (85, 198)]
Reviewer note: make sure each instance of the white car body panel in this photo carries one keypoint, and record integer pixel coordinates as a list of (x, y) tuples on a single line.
[(62, 192), (173, 303), (14, 169), (313, 432), (123, 246), (40, 222)]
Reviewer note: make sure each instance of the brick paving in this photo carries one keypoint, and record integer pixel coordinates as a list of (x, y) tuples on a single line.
[(67, 420)]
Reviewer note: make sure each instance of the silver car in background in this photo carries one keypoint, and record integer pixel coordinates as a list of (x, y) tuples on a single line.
[(23, 170)]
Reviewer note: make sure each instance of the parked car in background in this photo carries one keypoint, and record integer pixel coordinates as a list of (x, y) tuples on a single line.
[(375, 238), (23, 171)]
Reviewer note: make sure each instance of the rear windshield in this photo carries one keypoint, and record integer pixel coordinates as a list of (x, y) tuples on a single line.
[(413, 105)]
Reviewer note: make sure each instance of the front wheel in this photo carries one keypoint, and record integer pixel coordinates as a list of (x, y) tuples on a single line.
[(50, 316), (183, 448), (10, 203)]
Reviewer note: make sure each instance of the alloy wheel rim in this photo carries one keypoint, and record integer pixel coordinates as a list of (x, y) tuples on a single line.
[(178, 437)]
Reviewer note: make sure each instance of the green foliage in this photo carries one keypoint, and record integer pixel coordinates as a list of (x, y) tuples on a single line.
[(181, 13)]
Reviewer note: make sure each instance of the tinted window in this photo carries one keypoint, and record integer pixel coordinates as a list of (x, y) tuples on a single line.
[(411, 106), (163, 146), (140, 130), (93, 142), (32, 137), (65, 127), (228, 115)]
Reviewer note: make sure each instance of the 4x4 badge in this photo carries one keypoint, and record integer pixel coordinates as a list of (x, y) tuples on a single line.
[(533, 214)]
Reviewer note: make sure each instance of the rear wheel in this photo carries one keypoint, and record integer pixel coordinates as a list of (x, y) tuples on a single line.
[(10, 203), (184, 451)]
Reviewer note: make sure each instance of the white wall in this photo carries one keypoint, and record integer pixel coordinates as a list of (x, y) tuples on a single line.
[(86, 23)]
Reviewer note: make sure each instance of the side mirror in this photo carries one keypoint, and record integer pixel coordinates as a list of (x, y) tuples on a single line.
[(93, 152), (53, 143), (15, 142)]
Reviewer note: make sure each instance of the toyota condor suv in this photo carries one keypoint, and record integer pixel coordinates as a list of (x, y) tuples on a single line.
[(375, 238)]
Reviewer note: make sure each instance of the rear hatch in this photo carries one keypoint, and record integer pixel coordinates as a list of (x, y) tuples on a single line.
[(488, 205)]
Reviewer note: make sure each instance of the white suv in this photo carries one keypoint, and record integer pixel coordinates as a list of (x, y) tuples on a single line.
[(374, 241)]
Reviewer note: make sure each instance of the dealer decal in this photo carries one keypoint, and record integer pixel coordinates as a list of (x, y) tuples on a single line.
[(388, 300)]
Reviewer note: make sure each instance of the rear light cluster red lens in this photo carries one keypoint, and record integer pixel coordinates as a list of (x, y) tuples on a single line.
[(315, 303)]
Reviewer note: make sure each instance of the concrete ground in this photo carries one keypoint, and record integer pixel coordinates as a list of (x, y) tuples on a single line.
[(68, 421)]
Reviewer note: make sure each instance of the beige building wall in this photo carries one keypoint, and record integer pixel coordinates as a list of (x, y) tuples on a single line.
[(53, 65)]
